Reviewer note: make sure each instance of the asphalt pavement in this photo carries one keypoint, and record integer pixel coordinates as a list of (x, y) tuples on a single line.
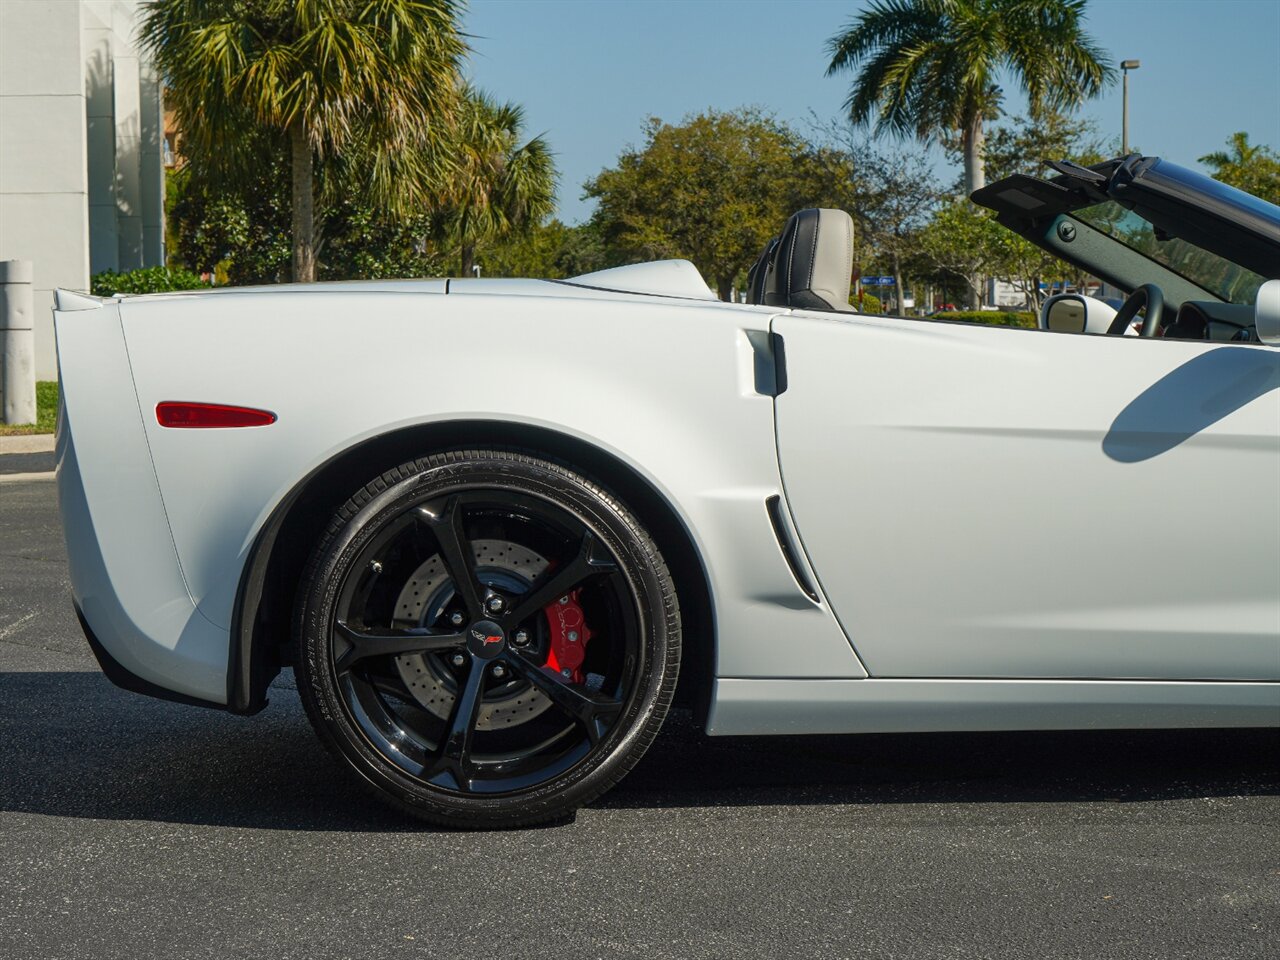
[(131, 827), (12, 463)]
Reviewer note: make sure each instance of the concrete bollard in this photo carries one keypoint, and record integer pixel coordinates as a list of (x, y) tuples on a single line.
[(17, 344)]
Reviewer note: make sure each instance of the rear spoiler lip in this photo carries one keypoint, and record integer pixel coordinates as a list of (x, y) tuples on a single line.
[(69, 301)]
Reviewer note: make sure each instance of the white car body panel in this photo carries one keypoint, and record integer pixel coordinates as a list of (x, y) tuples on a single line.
[(161, 522), (1026, 504), (631, 395), (123, 565), (670, 278), (762, 707)]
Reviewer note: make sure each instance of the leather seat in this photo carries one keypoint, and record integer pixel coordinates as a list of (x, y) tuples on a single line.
[(808, 267), (1190, 323), (814, 261), (761, 281)]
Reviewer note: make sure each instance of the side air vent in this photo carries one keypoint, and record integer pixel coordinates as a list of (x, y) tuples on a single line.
[(789, 549)]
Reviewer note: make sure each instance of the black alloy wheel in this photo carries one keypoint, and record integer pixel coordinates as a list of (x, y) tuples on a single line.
[(487, 638)]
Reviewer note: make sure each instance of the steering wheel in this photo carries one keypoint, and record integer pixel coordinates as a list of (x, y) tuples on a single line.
[(1148, 295)]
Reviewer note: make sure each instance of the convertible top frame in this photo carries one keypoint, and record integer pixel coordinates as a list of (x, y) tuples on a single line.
[(1176, 201)]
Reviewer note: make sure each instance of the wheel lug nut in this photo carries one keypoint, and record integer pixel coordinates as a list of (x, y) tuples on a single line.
[(564, 600), (457, 619), (499, 671), (521, 638), (494, 604), (458, 659), (566, 672), (376, 566), (573, 634)]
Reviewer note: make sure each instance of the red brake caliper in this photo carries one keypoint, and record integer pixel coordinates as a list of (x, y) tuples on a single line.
[(569, 636)]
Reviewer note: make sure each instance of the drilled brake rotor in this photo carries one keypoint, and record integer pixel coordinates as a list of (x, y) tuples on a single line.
[(499, 563)]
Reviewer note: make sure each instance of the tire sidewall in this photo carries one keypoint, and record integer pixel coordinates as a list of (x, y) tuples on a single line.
[(647, 582)]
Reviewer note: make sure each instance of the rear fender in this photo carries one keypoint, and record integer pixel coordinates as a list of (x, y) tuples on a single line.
[(125, 575)]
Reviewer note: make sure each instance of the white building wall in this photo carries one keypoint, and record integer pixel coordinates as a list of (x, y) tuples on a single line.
[(1006, 296), (99, 80), (151, 163), (128, 116), (81, 178), (43, 176)]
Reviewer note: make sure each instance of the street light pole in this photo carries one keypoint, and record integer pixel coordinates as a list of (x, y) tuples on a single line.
[(1125, 67)]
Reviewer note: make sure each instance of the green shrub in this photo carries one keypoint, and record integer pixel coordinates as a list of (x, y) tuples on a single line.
[(108, 283), (46, 412), (870, 303), (46, 405), (995, 318)]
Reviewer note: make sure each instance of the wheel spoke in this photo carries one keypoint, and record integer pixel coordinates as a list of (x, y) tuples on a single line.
[(362, 644), (416, 588), (591, 560), (455, 749), (456, 552), (391, 685), (589, 709)]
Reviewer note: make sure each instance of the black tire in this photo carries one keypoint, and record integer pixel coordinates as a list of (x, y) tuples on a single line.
[(483, 707)]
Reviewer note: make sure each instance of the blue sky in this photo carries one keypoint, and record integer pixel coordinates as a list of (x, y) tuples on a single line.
[(588, 72)]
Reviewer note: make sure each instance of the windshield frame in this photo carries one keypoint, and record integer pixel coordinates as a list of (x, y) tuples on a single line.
[(1232, 225), (1224, 278)]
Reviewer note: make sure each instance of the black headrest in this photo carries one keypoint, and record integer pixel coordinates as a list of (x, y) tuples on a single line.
[(813, 262), (759, 274)]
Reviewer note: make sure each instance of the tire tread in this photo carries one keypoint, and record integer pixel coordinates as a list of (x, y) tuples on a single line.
[(549, 813)]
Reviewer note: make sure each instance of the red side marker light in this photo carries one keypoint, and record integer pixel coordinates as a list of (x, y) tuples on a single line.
[(175, 414)]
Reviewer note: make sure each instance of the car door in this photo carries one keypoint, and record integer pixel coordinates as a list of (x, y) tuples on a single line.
[(996, 502)]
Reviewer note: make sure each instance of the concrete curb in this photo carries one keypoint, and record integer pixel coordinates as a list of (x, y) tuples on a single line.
[(25, 477), (27, 443)]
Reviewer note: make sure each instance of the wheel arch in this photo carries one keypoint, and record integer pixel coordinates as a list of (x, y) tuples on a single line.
[(262, 619)]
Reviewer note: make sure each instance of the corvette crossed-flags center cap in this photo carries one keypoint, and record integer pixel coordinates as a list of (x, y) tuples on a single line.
[(485, 639)]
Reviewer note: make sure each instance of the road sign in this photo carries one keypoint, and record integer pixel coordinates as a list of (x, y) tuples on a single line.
[(877, 281)]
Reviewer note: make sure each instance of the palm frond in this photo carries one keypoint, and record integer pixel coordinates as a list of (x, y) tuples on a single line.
[(499, 186), (929, 67), (1077, 69), (371, 76)]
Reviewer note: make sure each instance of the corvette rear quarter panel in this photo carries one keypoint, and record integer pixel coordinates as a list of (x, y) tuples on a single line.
[(666, 386), (124, 569)]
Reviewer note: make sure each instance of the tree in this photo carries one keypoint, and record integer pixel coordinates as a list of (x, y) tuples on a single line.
[(1023, 146), (1253, 168), (1025, 143), (900, 193), (501, 188), (363, 242), (551, 251), (964, 241), (1024, 265), (712, 190), (239, 230), (894, 194), (929, 68), (365, 86)]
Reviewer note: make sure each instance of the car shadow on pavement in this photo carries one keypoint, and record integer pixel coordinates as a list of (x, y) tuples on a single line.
[(71, 745), (687, 768)]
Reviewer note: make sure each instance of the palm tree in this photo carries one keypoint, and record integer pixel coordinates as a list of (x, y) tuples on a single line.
[(370, 85), (1242, 153), (500, 187), (929, 68), (1251, 167)]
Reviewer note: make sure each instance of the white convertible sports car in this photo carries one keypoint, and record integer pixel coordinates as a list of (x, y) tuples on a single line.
[(490, 523)]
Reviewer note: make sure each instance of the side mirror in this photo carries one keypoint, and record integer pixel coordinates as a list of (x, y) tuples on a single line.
[(1073, 313), (1266, 313), (1064, 313)]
